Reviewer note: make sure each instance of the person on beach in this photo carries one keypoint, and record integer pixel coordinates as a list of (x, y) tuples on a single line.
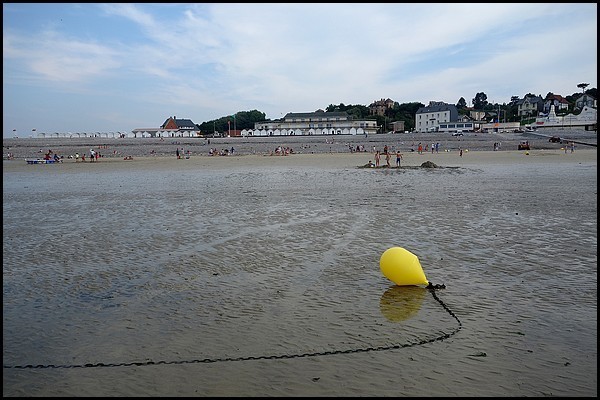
[(177, 153), (420, 148), (76, 157), (377, 156), (92, 155), (398, 158), (387, 159), (460, 151)]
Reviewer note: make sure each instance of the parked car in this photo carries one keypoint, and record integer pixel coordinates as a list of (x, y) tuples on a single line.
[(457, 133), (555, 139)]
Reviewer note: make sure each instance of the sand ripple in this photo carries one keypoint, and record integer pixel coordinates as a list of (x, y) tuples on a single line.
[(133, 266)]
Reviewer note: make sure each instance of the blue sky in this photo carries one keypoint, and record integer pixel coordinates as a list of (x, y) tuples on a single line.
[(111, 67)]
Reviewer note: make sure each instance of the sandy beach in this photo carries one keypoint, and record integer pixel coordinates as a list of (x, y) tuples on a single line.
[(340, 150), (333, 160), (406, 143), (258, 275)]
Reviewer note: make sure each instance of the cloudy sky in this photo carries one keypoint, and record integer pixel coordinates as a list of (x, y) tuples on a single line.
[(116, 67)]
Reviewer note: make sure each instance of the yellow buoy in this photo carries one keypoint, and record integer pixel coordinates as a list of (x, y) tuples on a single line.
[(402, 267)]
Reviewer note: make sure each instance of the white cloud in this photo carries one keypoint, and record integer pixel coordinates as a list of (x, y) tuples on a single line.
[(212, 59)]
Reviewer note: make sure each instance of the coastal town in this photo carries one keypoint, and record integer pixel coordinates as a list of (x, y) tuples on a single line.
[(550, 124), (521, 114)]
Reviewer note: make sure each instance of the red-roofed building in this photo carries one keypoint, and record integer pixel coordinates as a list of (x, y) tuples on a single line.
[(179, 124), (172, 127)]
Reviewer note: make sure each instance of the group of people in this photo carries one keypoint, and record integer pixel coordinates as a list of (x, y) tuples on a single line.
[(359, 148), (53, 156), (284, 151), (181, 154), (570, 146), (94, 156), (388, 156), (222, 152), (435, 147)]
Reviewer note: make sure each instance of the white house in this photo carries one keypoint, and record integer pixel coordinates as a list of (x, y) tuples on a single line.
[(585, 100), (313, 123), (530, 106), (437, 113)]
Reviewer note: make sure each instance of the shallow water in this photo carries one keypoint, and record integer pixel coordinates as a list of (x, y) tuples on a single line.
[(265, 281)]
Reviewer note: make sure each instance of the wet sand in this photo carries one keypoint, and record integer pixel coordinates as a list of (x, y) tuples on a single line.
[(258, 275)]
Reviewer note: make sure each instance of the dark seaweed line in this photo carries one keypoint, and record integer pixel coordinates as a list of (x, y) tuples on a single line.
[(271, 357)]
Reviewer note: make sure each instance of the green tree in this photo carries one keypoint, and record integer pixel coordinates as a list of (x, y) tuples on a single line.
[(582, 86), (405, 112), (480, 101), (358, 111), (243, 120)]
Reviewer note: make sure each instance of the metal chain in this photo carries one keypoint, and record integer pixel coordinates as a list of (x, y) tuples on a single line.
[(431, 288)]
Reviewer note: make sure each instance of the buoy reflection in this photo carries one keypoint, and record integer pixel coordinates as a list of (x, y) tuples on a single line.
[(400, 303)]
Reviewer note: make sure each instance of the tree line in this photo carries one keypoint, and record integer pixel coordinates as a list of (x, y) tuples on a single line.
[(398, 112)]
